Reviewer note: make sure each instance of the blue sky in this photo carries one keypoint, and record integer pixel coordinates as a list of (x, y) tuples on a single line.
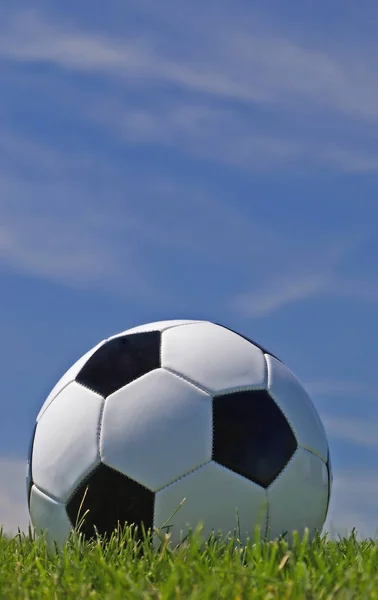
[(192, 160)]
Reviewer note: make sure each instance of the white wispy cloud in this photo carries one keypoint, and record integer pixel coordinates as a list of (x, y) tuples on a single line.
[(309, 275), (353, 429), (239, 59), (272, 295), (278, 292), (345, 388), (209, 132), (64, 237), (226, 135), (348, 410), (81, 220), (355, 288), (92, 221), (225, 68)]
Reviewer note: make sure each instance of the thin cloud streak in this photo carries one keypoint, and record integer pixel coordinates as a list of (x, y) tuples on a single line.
[(67, 241), (278, 293), (348, 389), (254, 70), (243, 63), (309, 280), (224, 135), (355, 430), (89, 236), (207, 132)]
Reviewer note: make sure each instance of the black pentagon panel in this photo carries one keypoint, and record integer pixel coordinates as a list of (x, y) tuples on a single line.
[(264, 350), (29, 476), (120, 361), (251, 436), (112, 500)]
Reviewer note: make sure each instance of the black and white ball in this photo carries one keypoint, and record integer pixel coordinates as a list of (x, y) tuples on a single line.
[(174, 410)]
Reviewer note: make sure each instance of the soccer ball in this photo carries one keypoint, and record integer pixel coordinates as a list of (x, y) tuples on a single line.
[(178, 410)]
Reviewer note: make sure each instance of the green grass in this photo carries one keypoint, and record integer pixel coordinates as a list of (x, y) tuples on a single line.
[(124, 568)]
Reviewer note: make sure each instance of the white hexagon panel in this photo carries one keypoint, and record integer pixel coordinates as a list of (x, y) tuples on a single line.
[(65, 447), (298, 498), (215, 497), (157, 429), (293, 400), (214, 357), (51, 517)]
